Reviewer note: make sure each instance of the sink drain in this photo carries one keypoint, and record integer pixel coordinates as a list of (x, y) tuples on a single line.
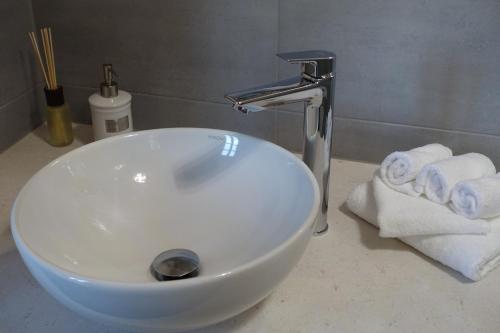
[(175, 264)]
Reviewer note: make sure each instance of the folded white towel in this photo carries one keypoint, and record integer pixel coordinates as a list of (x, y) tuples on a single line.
[(399, 215), (399, 169), (472, 255), (437, 179), (477, 198)]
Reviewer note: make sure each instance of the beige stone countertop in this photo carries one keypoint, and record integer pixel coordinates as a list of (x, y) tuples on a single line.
[(348, 280)]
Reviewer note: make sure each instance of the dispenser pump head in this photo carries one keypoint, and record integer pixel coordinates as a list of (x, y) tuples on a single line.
[(109, 88)]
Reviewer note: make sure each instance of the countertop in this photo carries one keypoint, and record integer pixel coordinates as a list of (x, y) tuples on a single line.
[(349, 280)]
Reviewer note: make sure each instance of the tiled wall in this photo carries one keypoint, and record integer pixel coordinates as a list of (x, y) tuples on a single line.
[(408, 71), (19, 107)]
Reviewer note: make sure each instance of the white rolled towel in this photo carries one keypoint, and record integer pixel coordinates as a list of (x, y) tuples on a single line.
[(472, 255), (477, 198), (437, 179), (400, 168)]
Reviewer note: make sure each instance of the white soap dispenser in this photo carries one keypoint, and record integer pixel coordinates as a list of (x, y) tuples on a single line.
[(111, 109)]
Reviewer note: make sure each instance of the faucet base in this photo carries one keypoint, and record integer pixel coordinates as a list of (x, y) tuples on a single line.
[(322, 231)]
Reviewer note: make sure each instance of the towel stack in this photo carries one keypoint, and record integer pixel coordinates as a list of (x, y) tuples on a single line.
[(445, 206)]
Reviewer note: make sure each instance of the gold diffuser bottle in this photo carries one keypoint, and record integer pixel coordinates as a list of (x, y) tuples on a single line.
[(57, 113), (58, 118)]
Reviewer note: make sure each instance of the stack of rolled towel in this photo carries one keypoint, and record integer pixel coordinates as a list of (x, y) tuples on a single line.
[(447, 207)]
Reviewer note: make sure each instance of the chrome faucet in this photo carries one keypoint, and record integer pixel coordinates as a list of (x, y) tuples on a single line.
[(315, 87)]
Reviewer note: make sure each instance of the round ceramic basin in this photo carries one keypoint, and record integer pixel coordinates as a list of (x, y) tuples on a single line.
[(89, 224)]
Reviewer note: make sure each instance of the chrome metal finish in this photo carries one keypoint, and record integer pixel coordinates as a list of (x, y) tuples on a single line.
[(316, 88), (109, 88), (175, 264), (316, 63)]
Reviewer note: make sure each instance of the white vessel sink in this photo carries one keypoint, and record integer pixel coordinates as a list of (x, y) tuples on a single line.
[(89, 224)]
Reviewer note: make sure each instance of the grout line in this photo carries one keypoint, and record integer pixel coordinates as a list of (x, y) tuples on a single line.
[(138, 93), (298, 113), (18, 97), (278, 45), (276, 70), (452, 131), (276, 129), (289, 112)]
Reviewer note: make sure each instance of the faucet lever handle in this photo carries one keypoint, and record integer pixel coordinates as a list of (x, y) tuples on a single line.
[(315, 63)]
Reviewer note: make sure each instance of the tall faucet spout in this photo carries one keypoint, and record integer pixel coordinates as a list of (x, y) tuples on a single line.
[(315, 88), (288, 91)]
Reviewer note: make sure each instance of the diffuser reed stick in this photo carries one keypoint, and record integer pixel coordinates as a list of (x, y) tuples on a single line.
[(52, 56), (47, 60), (38, 56), (47, 63)]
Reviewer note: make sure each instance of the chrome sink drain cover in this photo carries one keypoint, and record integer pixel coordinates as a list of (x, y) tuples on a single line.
[(175, 264)]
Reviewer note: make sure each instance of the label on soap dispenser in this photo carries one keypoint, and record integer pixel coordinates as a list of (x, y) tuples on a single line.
[(117, 125)]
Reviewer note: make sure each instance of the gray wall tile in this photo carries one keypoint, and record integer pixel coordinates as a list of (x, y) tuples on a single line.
[(372, 141), (191, 49), (426, 63), (18, 73), (19, 117), (19, 97), (77, 99), (289, 130), (406, 69)]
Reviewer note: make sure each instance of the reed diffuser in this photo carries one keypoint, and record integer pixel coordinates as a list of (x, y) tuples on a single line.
[(57, 112)]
